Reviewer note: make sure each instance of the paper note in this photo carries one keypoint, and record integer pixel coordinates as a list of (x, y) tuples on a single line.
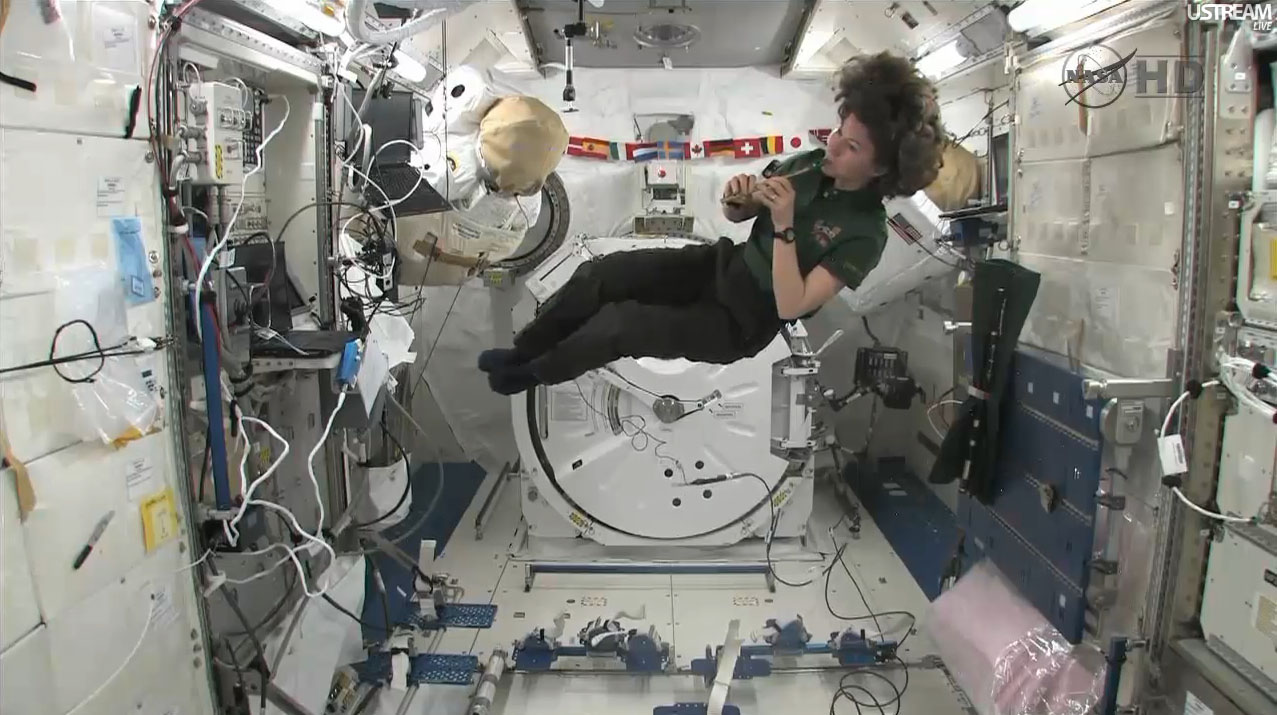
[(164, 610), (1194, 706), (117, 39), (1104, 304), (159, 520), (1265, 615), (139, 477), (110, 197), (130, 255)]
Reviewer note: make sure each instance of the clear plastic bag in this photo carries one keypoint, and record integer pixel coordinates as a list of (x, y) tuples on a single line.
[(115, 405), (1043, 674), (1007, 657)]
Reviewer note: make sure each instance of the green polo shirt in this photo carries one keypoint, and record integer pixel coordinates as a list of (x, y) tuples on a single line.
[(844, 231)]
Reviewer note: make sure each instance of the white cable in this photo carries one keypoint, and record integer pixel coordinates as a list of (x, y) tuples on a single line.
[(146, 628), (230, 227), (248, 489), (935, 407), (1170, 413), (310, 459), (1210, 514)]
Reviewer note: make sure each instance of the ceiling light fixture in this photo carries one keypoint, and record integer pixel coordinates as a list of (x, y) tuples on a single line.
[(1035, 17), (943, 59)]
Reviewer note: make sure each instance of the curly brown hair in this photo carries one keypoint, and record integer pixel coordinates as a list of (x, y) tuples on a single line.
[(899, 108)]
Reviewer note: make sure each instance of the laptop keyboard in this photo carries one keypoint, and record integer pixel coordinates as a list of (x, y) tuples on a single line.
[(398, 182)]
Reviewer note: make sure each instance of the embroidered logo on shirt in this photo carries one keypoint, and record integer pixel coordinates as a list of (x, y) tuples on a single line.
[(825, 233)]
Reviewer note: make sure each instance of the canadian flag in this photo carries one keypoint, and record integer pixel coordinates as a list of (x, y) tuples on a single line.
[(748, 148)]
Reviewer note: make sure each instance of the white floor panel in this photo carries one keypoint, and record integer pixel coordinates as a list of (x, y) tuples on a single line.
[(688, 611)]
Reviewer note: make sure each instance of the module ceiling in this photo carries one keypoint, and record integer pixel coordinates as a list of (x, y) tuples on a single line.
[(728, 33)]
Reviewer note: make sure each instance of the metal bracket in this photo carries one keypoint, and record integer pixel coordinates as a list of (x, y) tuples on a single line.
[(1122, 421), (1120, 388), (951, 327), (1104, 566), (1112, 502)]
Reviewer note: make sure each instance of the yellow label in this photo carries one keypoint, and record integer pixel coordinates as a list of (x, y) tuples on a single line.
[(579, 520), (1272, 258), (159, 519)]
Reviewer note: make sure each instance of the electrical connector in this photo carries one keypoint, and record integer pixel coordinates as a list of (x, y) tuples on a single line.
[(348, 368)]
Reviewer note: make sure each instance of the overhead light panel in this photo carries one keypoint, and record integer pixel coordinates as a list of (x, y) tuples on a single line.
[(318, 16), (1038, 16), (943, 59)]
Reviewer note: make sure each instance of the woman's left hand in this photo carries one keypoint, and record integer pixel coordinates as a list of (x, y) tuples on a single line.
[(777, 194)]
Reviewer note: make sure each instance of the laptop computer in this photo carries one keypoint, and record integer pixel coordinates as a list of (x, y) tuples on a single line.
[(276, 302), (397, 118)]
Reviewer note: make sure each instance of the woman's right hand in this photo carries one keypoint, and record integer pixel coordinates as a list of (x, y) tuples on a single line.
[(740, 186)]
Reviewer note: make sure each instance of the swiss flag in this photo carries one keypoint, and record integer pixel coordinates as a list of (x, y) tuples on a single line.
[(748, 148)]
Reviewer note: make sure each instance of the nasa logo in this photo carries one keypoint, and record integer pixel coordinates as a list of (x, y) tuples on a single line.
[(1095, 77)]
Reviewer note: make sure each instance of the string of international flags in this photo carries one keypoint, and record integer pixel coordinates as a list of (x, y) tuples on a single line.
[(736, 148)]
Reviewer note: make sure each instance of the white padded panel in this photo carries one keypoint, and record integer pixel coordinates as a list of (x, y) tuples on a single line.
[(1047, 215), (1047, 128), (19, 612), (26, 669), (74, 488), (1246, 470), (1139, 117), (1137, 226), (90, 641), (84, 65), (1124, 314), (1051, 127), (45, 232)]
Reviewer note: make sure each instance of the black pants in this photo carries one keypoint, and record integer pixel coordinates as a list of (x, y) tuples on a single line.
[(698, 302)]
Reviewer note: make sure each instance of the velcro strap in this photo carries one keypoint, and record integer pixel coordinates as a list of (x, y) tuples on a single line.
[(432, 251)]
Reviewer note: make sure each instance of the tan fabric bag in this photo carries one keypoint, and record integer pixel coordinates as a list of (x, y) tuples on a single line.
[(521, 141), (958, 181)]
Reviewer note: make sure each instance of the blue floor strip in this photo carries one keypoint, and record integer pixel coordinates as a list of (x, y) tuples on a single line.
[(917, 524), (460, 485)]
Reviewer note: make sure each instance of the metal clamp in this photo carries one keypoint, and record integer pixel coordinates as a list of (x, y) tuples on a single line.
[(1121, 388), (951, 327)]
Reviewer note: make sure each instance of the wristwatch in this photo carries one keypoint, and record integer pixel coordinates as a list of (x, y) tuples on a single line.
[(787, 235)]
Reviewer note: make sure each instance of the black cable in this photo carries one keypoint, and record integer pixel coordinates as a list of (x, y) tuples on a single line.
[(845, 690), (240, 703), (407, 490), (347, 613), (865, 321), (971, 131), (204, 463), (263, 666)]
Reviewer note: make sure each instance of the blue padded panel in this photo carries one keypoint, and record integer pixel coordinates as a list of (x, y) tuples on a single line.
[(915, 521), (1049, 435)]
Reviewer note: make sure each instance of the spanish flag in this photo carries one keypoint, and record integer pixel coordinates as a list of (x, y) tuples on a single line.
[(589, 147)]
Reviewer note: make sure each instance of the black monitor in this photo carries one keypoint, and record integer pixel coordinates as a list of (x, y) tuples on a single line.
[(391, 118), (274, 302), (1001, 165)]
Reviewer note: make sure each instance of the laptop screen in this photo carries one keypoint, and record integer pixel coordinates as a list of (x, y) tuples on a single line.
[(391, 118)]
